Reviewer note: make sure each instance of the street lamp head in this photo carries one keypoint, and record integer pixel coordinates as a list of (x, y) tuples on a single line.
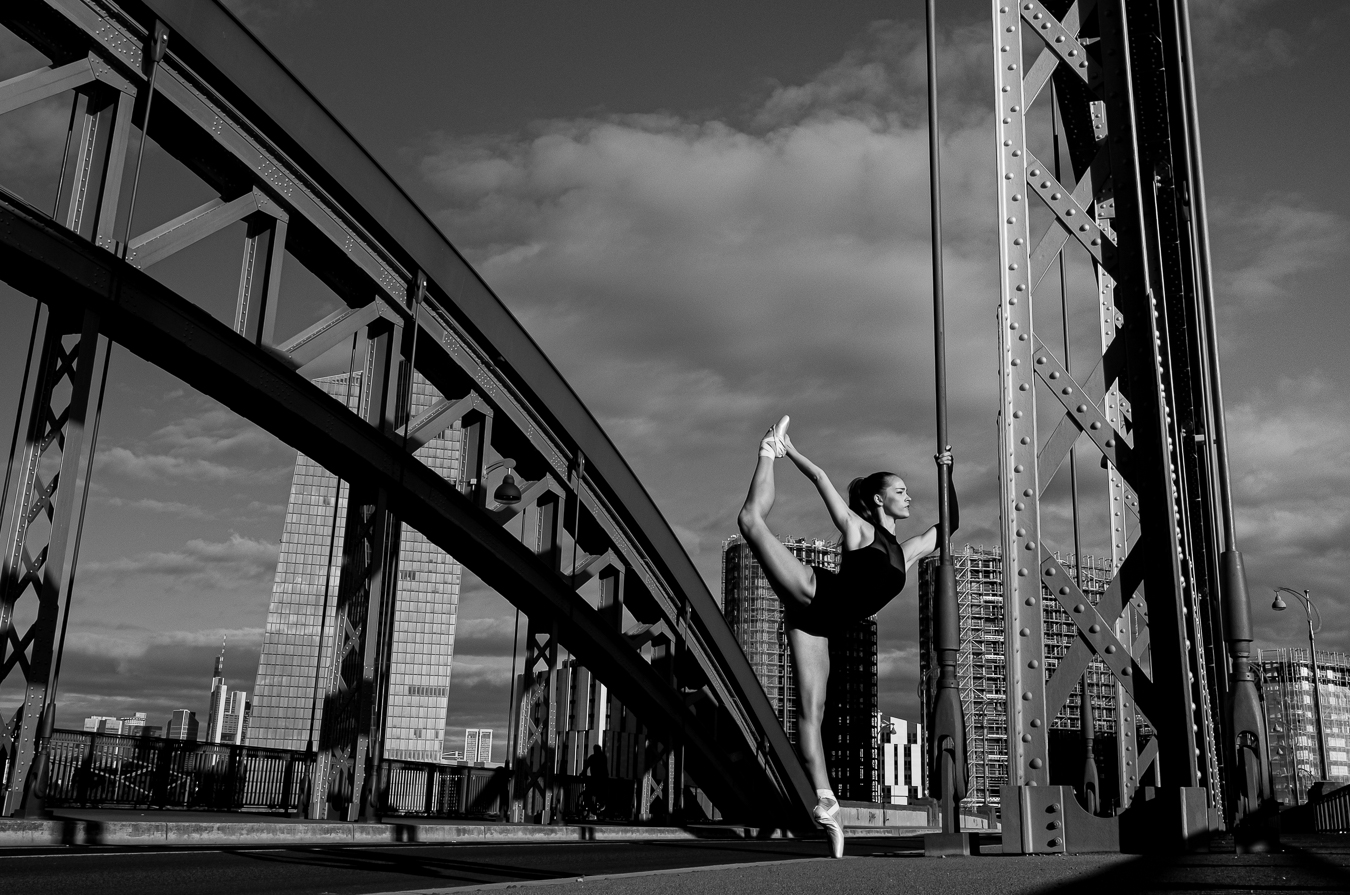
[(1279, 605), (508, 491)]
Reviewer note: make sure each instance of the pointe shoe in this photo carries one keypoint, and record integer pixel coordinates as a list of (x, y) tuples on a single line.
[(772, 446), (835, 830)]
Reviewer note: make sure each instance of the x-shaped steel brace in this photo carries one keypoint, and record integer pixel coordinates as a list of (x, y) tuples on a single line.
[(1094, 630)]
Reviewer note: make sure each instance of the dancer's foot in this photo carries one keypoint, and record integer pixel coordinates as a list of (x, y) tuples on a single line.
[(826, 814), (772, 446)]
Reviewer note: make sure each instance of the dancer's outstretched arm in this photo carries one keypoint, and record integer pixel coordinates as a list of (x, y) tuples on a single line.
[(918, 547), (843, 517)]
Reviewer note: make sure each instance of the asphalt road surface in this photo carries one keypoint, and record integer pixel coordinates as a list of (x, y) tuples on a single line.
[(778, 867)]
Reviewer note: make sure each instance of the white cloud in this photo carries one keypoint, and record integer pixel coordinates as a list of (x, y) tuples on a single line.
[(239, 563), (1266, 244), (1232, 40), (186, 510), (695, 279)]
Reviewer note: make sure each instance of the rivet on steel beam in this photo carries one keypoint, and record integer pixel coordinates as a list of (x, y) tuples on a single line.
[(1126, 672), (1017, 241), (1110, 649), (1056, 196), (1034, 664), (1025, 632), (1035, 722), (1078, 607), (1110, 442), (1095, 425), (1049, 573), (1031, 601), (1064, 591), (1026, 493), (1094, 629), (1021, 573), (1026, 738), (1066, 391), (1019, 506), (1017, 415), (1022, 337), (1019, 468), (1082, 408), (1035, 762)]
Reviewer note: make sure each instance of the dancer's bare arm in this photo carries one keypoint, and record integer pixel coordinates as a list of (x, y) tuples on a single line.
[(843, 517), (918, 547)]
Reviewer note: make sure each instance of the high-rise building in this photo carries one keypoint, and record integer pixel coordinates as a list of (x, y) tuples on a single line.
[(183, 725), (102, 724), (982, 672), (220, 702), (1287, 692), (286, 713), (903, 761), (478, 744), (850, 733)]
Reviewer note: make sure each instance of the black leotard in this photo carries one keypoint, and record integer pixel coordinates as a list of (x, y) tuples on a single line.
[(867, 579)]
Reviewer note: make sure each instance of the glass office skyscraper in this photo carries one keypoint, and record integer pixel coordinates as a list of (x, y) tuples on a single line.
[(424, 618)]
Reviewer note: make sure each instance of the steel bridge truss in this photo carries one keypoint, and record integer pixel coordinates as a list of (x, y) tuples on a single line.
[(1095, 164), (220, 105)]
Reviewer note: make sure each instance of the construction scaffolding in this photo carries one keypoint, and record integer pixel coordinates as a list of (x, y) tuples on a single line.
[(1291, 697), (982, 665)]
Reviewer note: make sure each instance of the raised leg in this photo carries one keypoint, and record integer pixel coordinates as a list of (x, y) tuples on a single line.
[(793, 582)]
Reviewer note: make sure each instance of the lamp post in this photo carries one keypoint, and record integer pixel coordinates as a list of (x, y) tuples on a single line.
[(1308, 609)]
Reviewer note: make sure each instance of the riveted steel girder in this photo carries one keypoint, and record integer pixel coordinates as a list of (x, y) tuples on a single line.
[(1100, 79)]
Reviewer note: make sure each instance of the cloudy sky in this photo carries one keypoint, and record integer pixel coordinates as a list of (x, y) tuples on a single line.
[(709, 215)]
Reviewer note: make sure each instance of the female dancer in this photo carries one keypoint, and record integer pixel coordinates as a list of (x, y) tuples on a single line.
[(819, 602)]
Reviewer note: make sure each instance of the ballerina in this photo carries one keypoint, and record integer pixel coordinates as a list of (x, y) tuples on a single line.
[(818, 602)]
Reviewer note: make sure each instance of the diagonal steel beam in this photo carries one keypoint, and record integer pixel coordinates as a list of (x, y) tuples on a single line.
[(331, 331), (194, 226)]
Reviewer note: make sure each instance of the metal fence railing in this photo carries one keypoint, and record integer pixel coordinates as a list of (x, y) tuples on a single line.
[(96, 770), (113, 771), (428, 790)]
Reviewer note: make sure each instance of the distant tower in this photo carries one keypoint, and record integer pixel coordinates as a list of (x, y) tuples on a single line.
[(183, 725), (215, 719), (424, 615)]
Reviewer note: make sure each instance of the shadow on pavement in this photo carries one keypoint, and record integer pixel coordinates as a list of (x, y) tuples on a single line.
[(1307, 864)]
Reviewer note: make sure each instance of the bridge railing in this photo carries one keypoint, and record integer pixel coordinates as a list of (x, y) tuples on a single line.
[(114, 771)]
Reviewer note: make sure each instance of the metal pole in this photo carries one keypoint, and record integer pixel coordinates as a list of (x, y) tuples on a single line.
[(1247, 739), (947, 723)]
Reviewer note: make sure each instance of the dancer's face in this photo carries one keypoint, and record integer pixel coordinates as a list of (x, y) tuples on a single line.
[(895, 498)]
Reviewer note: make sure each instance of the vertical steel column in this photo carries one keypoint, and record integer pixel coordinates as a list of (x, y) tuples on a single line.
[(44, 510), (41, 530), (1157, 485), (365, 587), (1028, 743), (260, 279), (536, 735)]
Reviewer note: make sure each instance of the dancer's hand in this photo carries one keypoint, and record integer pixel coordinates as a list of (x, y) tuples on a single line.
[(944, 458)]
